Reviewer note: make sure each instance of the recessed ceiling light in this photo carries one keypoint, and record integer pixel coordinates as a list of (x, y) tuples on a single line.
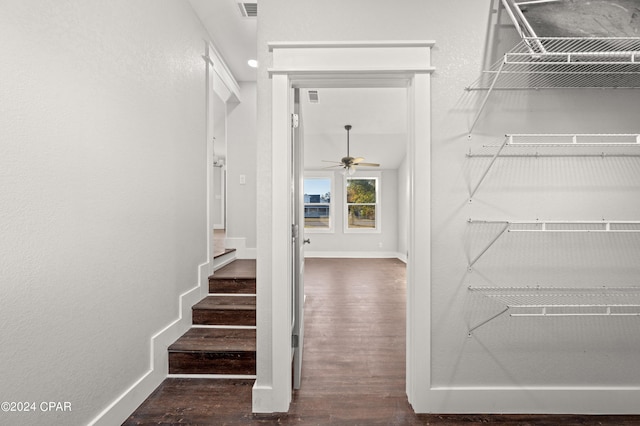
[(252, 63)]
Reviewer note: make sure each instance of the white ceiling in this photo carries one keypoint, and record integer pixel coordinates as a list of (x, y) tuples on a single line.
[(235, 37), (379, 125), (378, 116)]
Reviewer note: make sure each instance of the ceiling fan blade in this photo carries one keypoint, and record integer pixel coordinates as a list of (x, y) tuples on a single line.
[(357, 160), (369, 164), (329, 161)]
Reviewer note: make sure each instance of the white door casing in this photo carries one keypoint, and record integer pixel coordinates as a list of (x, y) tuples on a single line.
[(343, 64)]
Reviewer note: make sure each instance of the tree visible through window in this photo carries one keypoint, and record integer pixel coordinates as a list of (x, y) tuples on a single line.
[(362, 201)]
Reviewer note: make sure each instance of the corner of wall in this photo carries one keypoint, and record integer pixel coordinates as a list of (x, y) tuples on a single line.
[(241, 249)]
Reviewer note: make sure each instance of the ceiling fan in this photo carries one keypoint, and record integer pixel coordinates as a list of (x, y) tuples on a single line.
[(349, 163)]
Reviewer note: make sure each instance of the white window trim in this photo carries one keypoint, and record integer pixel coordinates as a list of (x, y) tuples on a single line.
[(345, 221), (332, 203)]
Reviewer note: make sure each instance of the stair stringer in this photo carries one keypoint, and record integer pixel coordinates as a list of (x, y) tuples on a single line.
[(120, 409)]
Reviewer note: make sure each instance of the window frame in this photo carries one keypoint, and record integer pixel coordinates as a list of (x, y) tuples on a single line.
[(377, 177), (331, 177)]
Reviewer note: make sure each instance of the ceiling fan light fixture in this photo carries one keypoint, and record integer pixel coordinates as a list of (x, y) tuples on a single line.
[(349, 163)]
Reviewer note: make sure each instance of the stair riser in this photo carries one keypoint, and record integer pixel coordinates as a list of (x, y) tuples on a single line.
[(234, 286), (212, 363), (234, 317)]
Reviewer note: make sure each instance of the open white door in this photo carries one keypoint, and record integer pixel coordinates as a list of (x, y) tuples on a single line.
[(298, 240)]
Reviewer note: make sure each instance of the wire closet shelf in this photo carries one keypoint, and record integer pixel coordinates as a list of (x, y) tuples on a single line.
[(563, 63), (561, 302), (557, 145), (566, 62), (556, 226)]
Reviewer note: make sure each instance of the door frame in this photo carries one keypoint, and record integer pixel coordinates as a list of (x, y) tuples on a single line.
[(343, 65), (219, 83)]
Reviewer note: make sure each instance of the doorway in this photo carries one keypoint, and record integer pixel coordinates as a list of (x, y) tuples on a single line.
[(218, 207), (355, 218), (358, 64)]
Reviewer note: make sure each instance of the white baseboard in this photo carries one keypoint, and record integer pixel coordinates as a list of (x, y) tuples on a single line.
[(531, 400), (125, 404), (262, 399), (356, 254)]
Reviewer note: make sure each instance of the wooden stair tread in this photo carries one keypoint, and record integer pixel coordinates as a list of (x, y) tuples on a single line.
[(221, 252), (216, 340), (239, 269), (227, 302)]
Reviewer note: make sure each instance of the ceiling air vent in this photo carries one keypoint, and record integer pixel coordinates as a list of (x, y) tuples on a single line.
[(313, 96), (249, 10)]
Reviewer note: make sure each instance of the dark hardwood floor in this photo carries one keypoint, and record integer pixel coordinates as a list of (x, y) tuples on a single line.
[(354, 364)]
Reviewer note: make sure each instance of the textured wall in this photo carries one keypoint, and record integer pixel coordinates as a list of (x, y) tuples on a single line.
[(241, 152), (102, 195)]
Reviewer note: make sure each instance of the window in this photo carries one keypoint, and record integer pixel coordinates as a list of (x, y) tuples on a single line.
[(318, 206), (362, 201)]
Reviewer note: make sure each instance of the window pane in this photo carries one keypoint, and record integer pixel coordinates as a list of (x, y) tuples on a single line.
[(360, 216), (316, 216), (317, 203), (361, 191)]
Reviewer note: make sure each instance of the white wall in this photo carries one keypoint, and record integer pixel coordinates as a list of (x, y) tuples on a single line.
[(103, 218), (509, 352), (339, 243), (241, 160)]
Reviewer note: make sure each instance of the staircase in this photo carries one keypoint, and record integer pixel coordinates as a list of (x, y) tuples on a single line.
[(222, 340)]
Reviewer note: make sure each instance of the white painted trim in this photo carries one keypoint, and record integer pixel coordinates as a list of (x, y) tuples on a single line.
[(390, 73), (214, 58), (131, 398), (419, 249), (538, 400), (225, 327), (272, 390), (211, 376), (355, 254), (348, 44), (374, 175), (331, 176)]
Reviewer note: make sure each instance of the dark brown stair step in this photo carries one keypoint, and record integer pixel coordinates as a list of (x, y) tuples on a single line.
[(222, 251), (225, 310), (216, 339), (214, 351), (238, 276)]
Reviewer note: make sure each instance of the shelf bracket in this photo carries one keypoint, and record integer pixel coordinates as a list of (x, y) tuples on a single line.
[(471, 330), (506, 227), (486, 98), (507, 139)]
